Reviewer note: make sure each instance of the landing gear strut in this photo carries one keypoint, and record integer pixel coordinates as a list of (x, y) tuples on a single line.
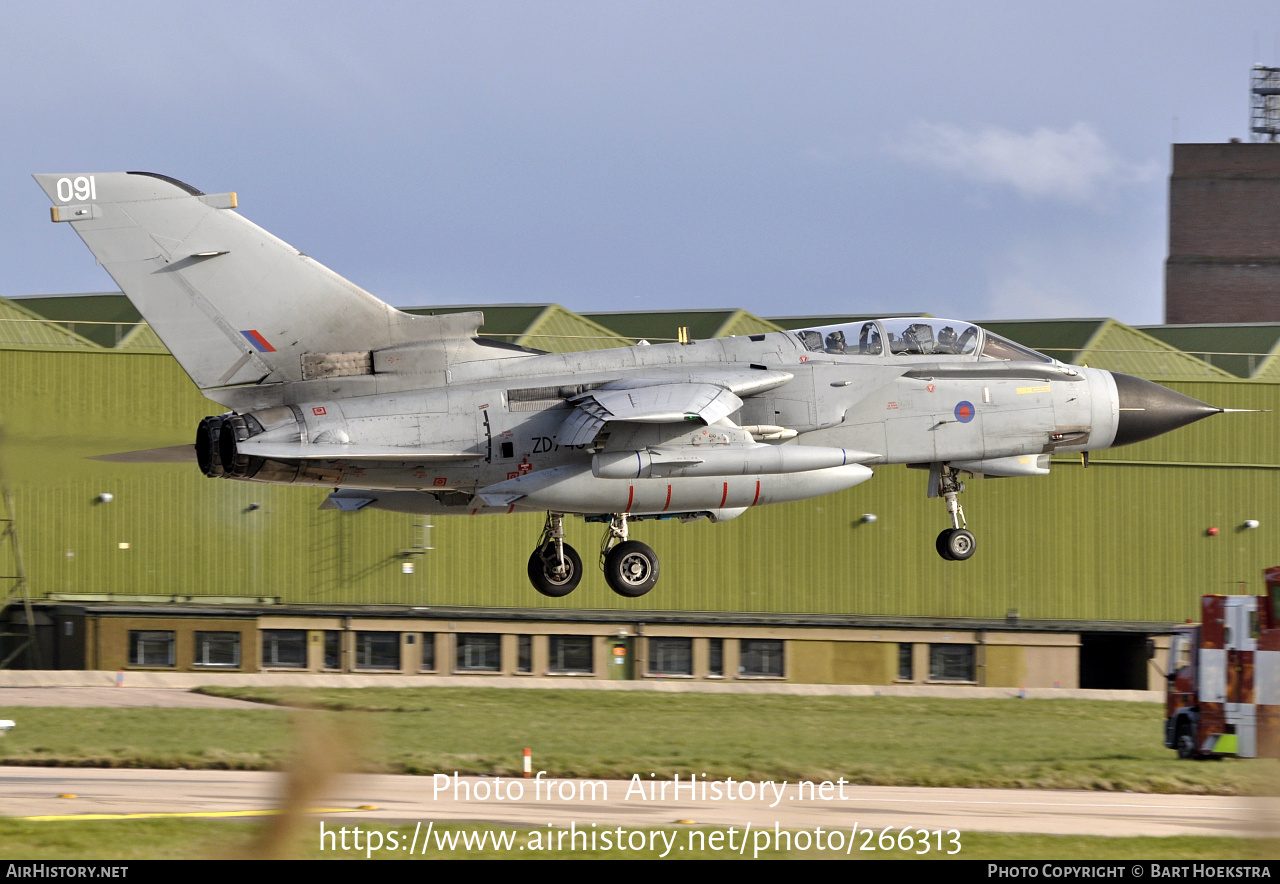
[(955, 543), (630, 567), (555, 569)]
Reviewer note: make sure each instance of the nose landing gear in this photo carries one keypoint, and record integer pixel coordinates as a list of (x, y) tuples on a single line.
[(955, 543), (630, 567), (555, 569)]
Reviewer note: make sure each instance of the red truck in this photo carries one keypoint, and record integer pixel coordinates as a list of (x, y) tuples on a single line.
[(1223, 696)]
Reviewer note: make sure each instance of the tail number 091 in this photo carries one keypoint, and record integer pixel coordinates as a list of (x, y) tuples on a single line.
[(81, 188)]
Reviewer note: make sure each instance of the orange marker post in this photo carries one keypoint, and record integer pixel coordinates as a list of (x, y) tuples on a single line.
[(528, 761)]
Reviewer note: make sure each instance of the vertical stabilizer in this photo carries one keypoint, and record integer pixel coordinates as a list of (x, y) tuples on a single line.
[(234, 304)]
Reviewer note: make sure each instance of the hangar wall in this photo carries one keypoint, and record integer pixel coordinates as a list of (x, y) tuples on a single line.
[(1124, 540)]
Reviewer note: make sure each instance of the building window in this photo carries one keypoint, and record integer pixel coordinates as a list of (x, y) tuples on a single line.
[(332, 649), (571, 653), (760, 658), (479, 652), (151, 647), (715, 656), (429, 650), (524, 653), (951, 663), (284, 648), (671, 656), (218, 649), (377, 650), (906, 668)]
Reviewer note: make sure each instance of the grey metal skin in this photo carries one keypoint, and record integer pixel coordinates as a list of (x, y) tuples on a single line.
[(329, 386)]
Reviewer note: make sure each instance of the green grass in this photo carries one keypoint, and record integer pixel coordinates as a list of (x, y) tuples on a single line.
[(1064, 744), (205, 839)]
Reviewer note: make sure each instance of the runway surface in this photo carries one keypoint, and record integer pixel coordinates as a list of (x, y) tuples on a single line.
[(118, 698), (32, 792)]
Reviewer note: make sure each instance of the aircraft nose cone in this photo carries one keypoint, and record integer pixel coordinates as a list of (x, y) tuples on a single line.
[(1148, 409)]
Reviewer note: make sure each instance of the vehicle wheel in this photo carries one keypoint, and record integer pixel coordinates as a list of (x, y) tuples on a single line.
[(543, 565), (631, 568), (960, 545), (943, 539), (1184, 741)]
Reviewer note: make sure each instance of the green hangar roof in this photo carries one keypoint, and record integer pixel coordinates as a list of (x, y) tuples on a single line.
[(1244, 350), (654, 326), (23, 327), (105, 318)]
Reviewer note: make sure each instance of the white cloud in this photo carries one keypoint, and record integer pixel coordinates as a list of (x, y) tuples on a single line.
[(1088, 274), (1074, 164)]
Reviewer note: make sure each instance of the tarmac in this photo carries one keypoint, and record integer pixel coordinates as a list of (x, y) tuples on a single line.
[(67, 794), (170, 683)]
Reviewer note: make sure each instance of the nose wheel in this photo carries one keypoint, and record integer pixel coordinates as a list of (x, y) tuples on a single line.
[(956, 543), (555, 568), (630, 567)]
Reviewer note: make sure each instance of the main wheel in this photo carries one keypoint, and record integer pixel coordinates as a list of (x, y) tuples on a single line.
[(941, 544), (545, 573), (631, 568), (960, 545)]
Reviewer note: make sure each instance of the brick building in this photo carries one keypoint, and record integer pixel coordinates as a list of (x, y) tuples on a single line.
[(1224, 234)]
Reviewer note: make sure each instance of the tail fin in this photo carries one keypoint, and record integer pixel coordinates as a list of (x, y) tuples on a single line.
[(234, 304)]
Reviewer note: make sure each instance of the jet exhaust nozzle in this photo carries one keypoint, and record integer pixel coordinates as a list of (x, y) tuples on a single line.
[(208, 451), (1147, 409)]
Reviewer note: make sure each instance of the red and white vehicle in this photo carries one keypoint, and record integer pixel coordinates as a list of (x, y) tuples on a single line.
[(1224, 678)]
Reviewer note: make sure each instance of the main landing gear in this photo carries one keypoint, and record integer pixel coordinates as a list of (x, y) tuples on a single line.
[(555, 568), (955, 543), (630, 567)]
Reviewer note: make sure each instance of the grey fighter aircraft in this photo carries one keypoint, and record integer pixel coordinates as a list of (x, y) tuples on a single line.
[(329, 386)]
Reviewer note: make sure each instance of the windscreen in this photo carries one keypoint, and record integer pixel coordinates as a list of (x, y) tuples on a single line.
[(996, 347)]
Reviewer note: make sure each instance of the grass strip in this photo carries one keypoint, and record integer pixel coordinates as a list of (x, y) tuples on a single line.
[(895, 741), (204, 839)]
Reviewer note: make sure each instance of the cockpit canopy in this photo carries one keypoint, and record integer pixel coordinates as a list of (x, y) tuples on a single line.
[(915, 336)]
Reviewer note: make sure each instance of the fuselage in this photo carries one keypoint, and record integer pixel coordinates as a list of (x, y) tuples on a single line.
[(980, 405)]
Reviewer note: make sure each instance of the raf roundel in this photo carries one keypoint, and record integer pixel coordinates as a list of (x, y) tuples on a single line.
[(965, 411)]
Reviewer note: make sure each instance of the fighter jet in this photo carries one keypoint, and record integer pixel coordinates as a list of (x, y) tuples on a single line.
[(326, 385)]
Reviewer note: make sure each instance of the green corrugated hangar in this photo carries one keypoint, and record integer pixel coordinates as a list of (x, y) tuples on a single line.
[(153, 566)]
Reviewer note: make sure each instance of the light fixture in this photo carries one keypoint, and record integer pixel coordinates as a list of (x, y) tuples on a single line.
[(1250, 523), (868, 517), (104, 497)]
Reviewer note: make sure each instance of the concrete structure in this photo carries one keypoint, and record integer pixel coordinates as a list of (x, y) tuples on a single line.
[(1224, 234)]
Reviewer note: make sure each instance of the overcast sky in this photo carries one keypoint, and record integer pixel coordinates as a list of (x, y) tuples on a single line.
[(977, 160)]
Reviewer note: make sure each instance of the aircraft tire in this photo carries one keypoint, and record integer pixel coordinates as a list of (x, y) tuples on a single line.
[(941, 544), (542, 571), (631, 569), (960, 545)]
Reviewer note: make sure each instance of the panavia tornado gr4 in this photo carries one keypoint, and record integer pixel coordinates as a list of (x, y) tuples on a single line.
[(329, 386)]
